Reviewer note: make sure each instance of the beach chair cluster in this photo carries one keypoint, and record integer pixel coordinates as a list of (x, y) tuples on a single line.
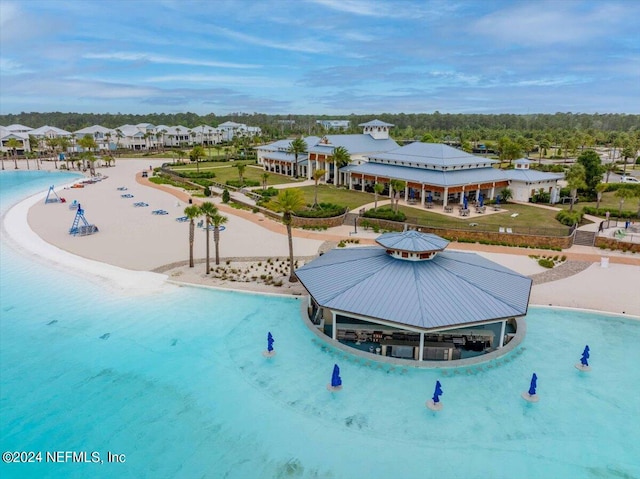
[(141, 204), (159, 212)]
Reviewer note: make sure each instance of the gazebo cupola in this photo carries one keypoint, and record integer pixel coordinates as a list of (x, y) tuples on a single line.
[(412, 245)]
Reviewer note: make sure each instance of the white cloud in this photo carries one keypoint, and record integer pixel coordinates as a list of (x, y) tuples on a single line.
[(304, 46), (151, 58), (231, 80), (11, 67)]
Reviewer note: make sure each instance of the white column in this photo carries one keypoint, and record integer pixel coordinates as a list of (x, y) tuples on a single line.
[(421, 352), (504, 324), (406, 193), (493, 191), (445, 198), (422, 195), (350, 182), (362, 185), (335, 174), (309, 168), (462, 196), (334, 330)]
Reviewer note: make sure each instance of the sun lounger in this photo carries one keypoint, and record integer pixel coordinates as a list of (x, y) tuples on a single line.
[(159, 212), (501, 230), (182, 219), (122, 188), (515, 215), (509, 230), (140, 204), (128, 195)]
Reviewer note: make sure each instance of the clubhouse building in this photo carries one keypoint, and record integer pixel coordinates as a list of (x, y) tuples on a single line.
[(409, 298), (434, 173)]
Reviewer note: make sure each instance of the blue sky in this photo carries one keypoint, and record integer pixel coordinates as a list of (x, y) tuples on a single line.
[(331, 57)]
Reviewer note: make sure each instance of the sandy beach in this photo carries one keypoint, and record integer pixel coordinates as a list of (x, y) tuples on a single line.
[(135, 247)]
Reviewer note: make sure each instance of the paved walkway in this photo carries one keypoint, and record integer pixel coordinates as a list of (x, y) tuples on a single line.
[(344, 232)]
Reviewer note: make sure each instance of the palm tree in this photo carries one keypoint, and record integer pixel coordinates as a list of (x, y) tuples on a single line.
[(208, 210), (542, 147), (297, 147), (575, 177), (196, 153), (288, 201), (600, 188), (241, 169), (317, 175), (622, 194), (265, 177), (191, 212), (397, 186), (378, 188), (217, 220), (13, 145), (341, 157), (2, 154)]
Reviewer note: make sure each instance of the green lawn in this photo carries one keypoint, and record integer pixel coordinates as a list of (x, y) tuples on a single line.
[(530, 220), (609, 201), (228, 171), (338, 196)]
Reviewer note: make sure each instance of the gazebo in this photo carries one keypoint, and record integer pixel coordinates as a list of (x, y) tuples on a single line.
[(409, 298)]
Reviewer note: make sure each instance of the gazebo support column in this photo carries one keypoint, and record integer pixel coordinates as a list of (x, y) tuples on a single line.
[(422, 195), (502, 328), (493, 191), (334, 329), (350, 182), (421, 351), (445, 196)]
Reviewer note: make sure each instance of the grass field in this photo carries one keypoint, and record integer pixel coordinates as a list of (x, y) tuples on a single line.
[(338, 196), (229, 171)]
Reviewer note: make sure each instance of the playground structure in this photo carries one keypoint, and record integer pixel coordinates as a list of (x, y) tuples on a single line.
[(52, 197), (81, 226)]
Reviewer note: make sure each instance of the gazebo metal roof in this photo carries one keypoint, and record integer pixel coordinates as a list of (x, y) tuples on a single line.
[(412, 241), (451, 290)]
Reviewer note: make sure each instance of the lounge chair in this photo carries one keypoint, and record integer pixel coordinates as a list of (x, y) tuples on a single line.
[(128, 195), (122, 188), (159, 212), (509, 230), (182, 219), (501, 230), (140, 204)]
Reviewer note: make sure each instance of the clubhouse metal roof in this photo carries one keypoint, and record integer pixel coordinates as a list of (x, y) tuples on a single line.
[(432, 177), (450, 290), (355, 144), (435, 154)]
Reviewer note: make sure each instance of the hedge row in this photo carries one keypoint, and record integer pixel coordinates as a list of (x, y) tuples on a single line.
[(617, 186), (590, 210), (246, 182), (323, 210), (195, 174)]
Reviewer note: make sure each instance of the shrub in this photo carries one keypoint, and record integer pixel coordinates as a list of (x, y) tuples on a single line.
[(546, 263), (237, 184), (226, 197), (569, 218), (207, 191), (324, 210), (590, 210), (269, 192), (195, 174), (385, 214)]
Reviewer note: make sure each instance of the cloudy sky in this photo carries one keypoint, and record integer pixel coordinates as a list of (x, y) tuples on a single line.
[(320, 56)]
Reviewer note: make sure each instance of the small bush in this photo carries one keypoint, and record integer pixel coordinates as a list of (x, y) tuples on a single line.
[(226, 197), (207, 191), (246, 182), (546, 263)]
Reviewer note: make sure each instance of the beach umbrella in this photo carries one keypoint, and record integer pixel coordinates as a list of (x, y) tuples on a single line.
[(498, 200), (336, 381), (465, 201), (437, 393), (429, 198), (481, 200), (584, 360), (534, 385), (269, 342)]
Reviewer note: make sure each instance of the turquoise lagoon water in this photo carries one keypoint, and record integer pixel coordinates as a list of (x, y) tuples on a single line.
[(176, 382)]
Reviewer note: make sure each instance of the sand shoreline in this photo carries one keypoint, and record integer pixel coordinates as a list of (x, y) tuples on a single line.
[(133, 246)]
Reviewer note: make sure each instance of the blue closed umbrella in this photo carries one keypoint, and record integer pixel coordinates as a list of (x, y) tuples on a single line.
[(465, 202), (584, 360), (269, 342), (498, 200), (481, 200), (336, 381), (429, 198), (437, 393), (534, 385)]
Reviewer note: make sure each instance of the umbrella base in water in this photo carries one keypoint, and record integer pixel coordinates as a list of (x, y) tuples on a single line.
[(582, 367), (333, 388), (434, 406), (530, 397), (269, 354)]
